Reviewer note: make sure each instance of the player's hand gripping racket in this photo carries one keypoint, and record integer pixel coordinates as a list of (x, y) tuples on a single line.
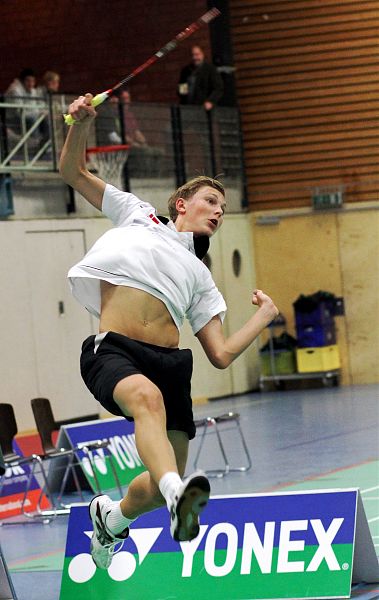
[(204, 20)]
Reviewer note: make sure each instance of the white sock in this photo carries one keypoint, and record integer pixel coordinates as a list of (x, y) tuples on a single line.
[(115, 520), (168, 485)]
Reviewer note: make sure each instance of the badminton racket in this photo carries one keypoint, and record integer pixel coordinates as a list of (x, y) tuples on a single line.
[(203, 20)]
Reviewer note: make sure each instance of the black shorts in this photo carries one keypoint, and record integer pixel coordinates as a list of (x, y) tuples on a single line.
[(118, 356)]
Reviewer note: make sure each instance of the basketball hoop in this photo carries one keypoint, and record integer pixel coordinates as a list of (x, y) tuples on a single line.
[(109, 162)]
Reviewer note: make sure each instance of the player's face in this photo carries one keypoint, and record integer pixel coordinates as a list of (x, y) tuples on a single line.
[(204, 211)]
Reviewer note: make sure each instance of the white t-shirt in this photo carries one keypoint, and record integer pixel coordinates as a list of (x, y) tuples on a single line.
[(143, 253)]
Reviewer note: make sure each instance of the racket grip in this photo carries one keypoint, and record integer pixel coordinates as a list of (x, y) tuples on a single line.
[(96, 100)]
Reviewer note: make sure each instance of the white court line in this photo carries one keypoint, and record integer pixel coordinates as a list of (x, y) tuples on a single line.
[(370, 489), (372, 520)]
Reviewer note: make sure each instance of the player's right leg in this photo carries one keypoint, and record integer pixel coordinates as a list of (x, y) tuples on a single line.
[(139, 398)]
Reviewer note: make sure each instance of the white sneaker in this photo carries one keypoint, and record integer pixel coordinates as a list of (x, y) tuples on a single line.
[(103, 542), (190, 501)]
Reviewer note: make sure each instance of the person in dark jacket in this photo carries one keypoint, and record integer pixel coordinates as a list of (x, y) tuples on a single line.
[(200, 82)]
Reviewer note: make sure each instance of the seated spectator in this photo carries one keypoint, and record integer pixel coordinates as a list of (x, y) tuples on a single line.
[(23, 91), (200, 82), (108, 126), (144, 160), (51, 82)]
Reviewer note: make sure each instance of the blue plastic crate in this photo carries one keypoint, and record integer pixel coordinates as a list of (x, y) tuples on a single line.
[(323, 314), (310, 336)]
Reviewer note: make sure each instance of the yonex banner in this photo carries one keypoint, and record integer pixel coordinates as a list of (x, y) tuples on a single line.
[(122, 447), (287, 545), (15, 480)]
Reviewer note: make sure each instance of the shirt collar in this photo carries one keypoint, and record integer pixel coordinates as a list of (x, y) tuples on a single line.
[(184, 237)]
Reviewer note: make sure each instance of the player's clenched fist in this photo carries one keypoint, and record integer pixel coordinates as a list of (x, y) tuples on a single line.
[(266, 305), (82, 108)]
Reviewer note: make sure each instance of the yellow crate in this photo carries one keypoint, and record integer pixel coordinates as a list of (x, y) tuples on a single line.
[(325, 358)]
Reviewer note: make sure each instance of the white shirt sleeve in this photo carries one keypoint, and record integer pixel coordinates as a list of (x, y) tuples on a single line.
[(119, 206), (207, 303)]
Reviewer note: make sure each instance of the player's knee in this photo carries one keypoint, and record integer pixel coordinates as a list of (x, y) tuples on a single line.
[(149, 400)]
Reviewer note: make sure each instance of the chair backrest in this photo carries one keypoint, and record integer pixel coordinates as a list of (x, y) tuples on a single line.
[(44, 418), (8, 428)]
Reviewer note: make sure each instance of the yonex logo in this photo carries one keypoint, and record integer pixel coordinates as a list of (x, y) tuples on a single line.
[(289, 551), (122, 448), (290, 557), (82, 568)]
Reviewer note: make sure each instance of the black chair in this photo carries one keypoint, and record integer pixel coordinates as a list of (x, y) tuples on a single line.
[(46, 426), (8, 431)]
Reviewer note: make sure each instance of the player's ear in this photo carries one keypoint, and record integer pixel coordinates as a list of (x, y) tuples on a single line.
[(181, 206)]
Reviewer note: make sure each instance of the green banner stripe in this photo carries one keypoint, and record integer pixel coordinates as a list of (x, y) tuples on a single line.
[(160, 576)]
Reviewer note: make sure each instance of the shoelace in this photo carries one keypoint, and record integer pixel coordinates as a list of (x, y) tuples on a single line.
[(111, 547)]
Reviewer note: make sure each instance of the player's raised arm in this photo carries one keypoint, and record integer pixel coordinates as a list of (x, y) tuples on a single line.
[(222, 352), (73, 166)]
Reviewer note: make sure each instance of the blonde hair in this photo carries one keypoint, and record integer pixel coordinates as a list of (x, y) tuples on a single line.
[(190, 188), (50, 76)]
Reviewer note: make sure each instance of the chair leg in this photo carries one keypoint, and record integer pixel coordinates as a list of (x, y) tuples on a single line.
[(88, 451), (75, 477), (27, 487), (45, 489), (116, 478), (39, 515), (64, 480), (246, 449), (212, 472), (222, 449), (196, 461)]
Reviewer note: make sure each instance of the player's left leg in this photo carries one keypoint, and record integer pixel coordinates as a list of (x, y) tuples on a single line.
[(143, 493), (190, 499)]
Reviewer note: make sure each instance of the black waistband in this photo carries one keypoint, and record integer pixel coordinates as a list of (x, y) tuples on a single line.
[(163, 349)]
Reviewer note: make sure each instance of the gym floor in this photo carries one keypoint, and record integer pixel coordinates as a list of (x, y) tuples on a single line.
[(322, 438)]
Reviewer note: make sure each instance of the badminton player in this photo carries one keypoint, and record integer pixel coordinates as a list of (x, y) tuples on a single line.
[(141, 279)]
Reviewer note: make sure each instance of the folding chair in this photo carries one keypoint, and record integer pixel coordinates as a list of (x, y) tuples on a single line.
[(46, 425), (8, 431), (210, 423)]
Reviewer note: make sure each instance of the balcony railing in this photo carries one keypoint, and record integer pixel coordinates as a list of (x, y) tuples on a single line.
[(173, 143)]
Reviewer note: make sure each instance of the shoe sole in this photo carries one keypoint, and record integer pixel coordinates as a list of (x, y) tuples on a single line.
[(193, 501), (93, 520)]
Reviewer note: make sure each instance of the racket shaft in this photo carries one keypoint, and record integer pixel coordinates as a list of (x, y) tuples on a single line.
[(171, 45)]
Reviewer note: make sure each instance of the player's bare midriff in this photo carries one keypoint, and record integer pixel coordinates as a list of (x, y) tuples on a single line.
[(136, 314)]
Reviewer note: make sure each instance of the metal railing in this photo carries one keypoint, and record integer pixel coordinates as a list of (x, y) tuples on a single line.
[(178, 142)]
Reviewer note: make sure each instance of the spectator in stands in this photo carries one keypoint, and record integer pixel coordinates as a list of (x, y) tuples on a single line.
[(133, 134), (51, 81), (24, 86), (22, 91), (108, 126), (143, 158), (200, 82)]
